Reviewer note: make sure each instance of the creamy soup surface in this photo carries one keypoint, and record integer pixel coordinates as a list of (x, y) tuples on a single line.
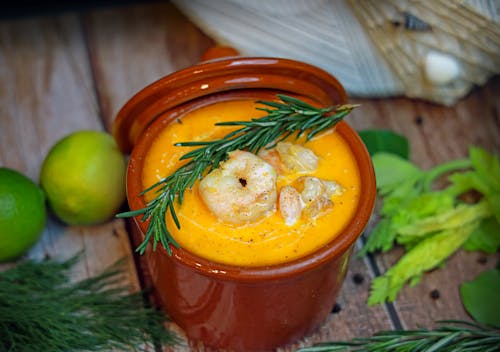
[(268, 240)]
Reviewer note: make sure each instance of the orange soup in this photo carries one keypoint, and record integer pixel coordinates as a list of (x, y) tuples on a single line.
[(269, 240)]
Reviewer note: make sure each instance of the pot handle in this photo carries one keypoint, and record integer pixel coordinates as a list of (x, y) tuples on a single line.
[(218, 52)]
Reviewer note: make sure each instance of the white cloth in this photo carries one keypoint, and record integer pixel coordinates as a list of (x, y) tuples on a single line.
[(329, 34)]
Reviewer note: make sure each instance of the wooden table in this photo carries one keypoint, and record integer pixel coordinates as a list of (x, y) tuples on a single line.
[(70, 71)]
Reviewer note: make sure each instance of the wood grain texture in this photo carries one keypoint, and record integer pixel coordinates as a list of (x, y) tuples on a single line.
[(46, 92), (134, 46)]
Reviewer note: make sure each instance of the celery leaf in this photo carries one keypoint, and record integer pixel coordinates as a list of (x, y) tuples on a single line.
[(487, 167), (426, 255), (381, 238), (485, 238), (454, 218), (391, 170)]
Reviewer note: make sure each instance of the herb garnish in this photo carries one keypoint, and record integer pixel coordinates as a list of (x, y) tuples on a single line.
[(432, 224), (283, 119), (41, 310), (450, 336)]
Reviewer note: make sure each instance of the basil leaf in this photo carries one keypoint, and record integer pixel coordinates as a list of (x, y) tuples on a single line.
[(480, 297), (385, 141)]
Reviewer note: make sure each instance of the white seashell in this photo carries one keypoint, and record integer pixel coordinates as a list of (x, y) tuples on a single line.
[(440, 68)]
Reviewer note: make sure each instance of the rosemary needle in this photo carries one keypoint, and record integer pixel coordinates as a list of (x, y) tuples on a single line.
[(450, 336), (283, 119)]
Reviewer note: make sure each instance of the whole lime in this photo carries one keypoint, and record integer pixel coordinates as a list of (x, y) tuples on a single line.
[(22, 213), (83, 177)]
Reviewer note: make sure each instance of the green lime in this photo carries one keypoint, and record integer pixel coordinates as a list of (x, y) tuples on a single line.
[(84, 178), (22, 213)]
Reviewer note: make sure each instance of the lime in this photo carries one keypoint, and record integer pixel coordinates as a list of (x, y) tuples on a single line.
[(22, 213), (83, 177)]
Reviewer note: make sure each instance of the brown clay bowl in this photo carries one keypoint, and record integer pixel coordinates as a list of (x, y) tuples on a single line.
[(231, 307)]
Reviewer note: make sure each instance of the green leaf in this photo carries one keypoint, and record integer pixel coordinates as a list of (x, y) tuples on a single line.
[(457, 217), (486, 237), (466, 181), (425, 205), (391, 170), (481, 297), (385, 141), (381, 238), (380, 290), (494, 201), (426, 255), (487, 166)]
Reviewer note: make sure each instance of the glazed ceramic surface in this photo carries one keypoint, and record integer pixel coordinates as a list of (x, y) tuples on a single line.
[(230, 307)]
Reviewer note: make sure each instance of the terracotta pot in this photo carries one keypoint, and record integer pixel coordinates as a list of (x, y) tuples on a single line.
[(230, 307)]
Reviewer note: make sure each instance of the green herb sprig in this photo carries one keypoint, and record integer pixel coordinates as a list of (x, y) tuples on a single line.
[(283, 119), (41, 310), (432, 224), (454, 336)]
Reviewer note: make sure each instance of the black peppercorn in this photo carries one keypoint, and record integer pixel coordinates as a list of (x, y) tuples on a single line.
[(482, 260), (336, 308), (419, 120), (358, 279), (435, 294)]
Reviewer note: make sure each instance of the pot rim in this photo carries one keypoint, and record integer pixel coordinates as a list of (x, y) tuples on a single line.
[(138, 105), (191, 82)]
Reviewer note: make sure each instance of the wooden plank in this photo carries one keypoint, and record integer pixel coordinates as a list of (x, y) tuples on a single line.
[(438, 134), (46, 92), (162, 40), (134, 46)]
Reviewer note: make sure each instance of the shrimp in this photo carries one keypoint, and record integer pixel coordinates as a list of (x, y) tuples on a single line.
[(317, 206), (311, 188), (290, 158), (272, 157), (307, 197), (242, 189), (290, 205), (296, 157)]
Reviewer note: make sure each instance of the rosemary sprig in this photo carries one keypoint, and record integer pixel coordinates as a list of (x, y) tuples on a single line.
[(283, 119), (41, 310), (455, 336)]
